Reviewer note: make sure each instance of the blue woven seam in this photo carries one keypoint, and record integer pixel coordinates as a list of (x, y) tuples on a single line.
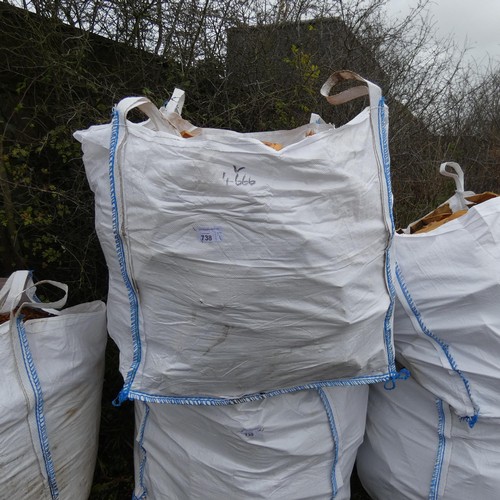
[(39, 413), (438, 465), (335, 437), (216, 401), (384, 148), (144, 457), (470, 419), (120, 251)]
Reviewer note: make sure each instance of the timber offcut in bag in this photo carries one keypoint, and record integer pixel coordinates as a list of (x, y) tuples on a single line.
[(298, 446), (245, 265), (52, 369), (447, 321)]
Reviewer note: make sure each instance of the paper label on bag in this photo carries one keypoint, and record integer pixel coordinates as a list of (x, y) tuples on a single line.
[(209, 234)]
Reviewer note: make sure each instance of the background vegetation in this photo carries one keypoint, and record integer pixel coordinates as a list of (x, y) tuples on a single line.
[(64, 63)]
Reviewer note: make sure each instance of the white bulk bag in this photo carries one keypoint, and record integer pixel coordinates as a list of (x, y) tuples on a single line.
[(294, 446), (447, 321), (417, 448), (50, 395), (238, 271)]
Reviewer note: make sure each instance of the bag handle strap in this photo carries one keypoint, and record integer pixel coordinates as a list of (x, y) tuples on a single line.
[(165, 122), (457, 174), (458, 201), (127, 104), (378, 122), (46, 306), (368, 88), (172, 114), (176, 102), (12, 291)]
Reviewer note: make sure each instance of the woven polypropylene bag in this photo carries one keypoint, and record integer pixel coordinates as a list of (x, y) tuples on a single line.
[(239, 271), (447, 325), (50, 394), (294, 446), (417, 448)]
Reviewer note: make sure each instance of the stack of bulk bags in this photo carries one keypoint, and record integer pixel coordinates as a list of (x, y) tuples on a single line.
[(51, 365), (447, 332), (237, 270), (246, 266), (293, 446)]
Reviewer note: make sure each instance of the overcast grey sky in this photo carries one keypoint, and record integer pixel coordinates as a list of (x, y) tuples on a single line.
[(474, 22)]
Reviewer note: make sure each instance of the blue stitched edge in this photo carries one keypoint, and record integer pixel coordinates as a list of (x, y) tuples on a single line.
[(216, 401), (335, 437), (39, 414), (144, 453), (391, 361), (386, 159), (384, 148), (470, 419), (438, 464), (132, 296)]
